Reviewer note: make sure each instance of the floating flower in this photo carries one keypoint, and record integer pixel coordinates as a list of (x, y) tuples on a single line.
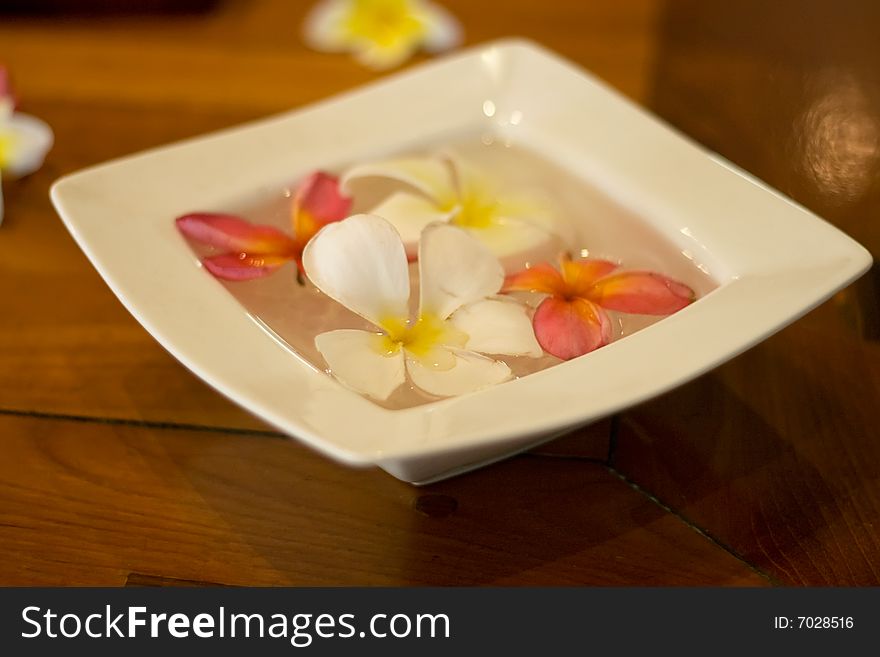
[(252, 251), (572, 321), (361, 263), (24, 139), (380, 33), (446, 190)]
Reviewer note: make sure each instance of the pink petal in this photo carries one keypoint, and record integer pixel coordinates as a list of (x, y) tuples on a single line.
[(541, 277), (6, 87), (242, 267), (568, 329), (641, 292), (318, 202), (231, 233), (579, 275)]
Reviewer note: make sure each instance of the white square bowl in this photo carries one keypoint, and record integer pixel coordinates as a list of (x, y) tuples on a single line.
[(774, 260)]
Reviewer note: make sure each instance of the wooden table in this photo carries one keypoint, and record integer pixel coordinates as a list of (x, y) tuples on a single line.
[(117, 466)]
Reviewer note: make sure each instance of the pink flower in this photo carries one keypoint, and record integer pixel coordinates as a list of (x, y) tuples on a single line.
[(252, 251), (572, 320)]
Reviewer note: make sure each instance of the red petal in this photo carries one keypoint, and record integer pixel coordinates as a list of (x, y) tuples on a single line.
[(642, 292), (241, 267), (318, 202), (542, 277), (579, 275), (568, 329), (231, 233)]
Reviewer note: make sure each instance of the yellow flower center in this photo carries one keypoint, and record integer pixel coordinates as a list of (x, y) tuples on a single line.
[(7, 145), (383, 22), (476, 211), (421, 338)]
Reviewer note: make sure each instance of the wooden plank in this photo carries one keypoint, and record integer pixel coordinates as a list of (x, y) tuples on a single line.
[(251, 55), (67, 345), (799, 107), (777, 453), (89, 503)]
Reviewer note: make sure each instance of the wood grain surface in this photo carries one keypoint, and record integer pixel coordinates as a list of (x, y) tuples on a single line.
[(777, 454), (87, 503), (120, 467)]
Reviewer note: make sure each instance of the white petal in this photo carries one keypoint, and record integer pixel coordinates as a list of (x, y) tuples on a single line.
[(7, 107), (471, 372), (429, 175), (506, 237), (324, 28), (539, 211), (442, 30), (29, 141), (360, 262), (380, 57), (454, 269), (410, 214), (473, 180), (438, 357), (497, 326), (357, 359)]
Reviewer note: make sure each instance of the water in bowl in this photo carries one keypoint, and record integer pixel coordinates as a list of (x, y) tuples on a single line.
[(592, 224)]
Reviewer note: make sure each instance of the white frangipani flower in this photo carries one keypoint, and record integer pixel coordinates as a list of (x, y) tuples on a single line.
[(381, 33), (24, 142), (361, 263), (443, 189)]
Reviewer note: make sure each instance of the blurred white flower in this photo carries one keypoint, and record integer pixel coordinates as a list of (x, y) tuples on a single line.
[(24, 139), (445, 189), (381, 33)]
